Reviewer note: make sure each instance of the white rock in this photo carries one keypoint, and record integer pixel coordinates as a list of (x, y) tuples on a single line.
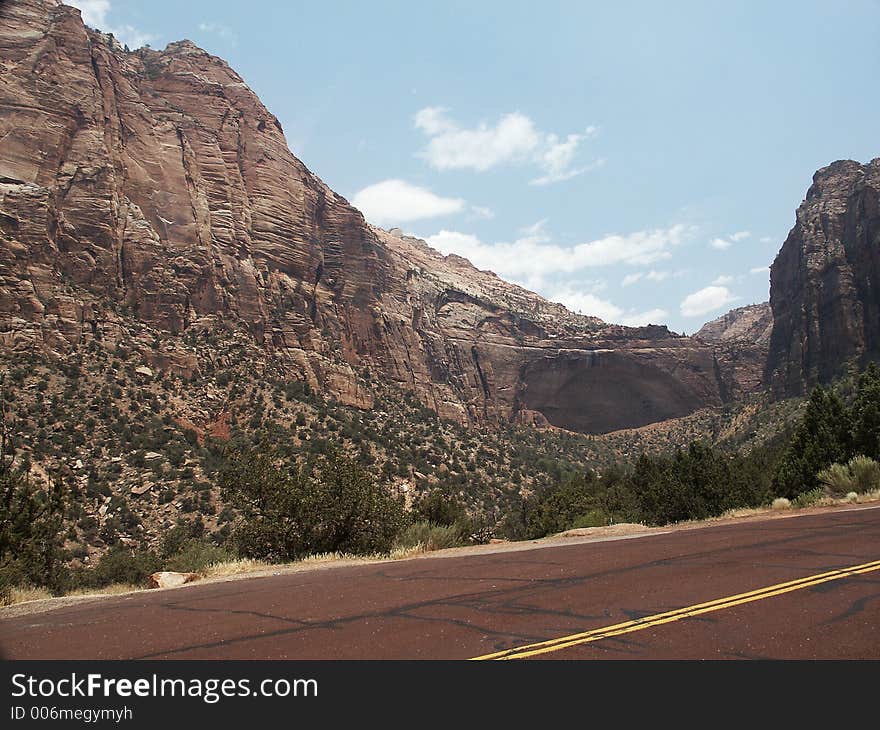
[(170, 579)]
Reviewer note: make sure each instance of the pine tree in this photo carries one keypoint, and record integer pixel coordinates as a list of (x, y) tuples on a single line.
[(821, 439), (866, 414)]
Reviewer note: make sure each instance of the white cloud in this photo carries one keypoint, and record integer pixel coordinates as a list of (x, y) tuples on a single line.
[(723, 280), (219, 30), (513, 139), (95, 14), (652, 316), (397, 201), (760, 270), (533, 256), (652, 275), (766, 239), (724, 243), (536, 231), (481, 212), (588, 303), (709, 299)]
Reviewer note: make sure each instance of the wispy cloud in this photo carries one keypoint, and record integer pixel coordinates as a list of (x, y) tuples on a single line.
[(221, 31), (723, 280), (586, 302), (533, 255), (651, 275), (723, 244), (95, 13), (514, 138)]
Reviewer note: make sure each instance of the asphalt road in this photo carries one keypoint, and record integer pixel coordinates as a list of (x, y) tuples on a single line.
[(805, 587)]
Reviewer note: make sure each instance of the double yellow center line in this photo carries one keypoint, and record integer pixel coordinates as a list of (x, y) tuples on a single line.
[(627, 627)]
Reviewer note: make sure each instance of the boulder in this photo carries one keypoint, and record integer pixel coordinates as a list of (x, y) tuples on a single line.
[(171, 579)]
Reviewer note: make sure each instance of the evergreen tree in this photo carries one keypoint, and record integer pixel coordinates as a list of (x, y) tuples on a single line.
[(866, 414), (821, 439)]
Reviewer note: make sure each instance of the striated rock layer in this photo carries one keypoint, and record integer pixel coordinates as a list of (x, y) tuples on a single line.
[(153, 187), (825, 281), (741, 340)]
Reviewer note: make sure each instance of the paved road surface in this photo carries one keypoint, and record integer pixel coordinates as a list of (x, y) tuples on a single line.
[(805, 587)]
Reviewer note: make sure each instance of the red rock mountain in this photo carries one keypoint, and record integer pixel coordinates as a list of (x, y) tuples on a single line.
[(741, 340), (825, 282), (152, 189)]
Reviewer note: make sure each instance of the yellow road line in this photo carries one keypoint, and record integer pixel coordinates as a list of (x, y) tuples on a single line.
[(585, 637)]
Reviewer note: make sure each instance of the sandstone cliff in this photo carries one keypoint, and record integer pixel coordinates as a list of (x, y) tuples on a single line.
[(825, 281), (151, 191), (740, 339)]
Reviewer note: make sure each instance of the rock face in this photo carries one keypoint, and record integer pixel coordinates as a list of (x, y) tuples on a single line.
[(154, 187), (740, 339), (752, 324), (825, 281)]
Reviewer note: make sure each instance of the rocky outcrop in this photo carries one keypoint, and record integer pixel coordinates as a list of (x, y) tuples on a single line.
[(747, 325), (152, 189), (740, 340), (825, 281)]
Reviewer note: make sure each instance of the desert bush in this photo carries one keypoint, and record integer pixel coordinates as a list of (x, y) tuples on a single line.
[(286, 512), (120, 564), (865, 473), (836, 478), (196, 555), (860, 474), (807, 499), (431, 536)]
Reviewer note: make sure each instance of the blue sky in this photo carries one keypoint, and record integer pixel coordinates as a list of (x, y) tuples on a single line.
[(638, 161)]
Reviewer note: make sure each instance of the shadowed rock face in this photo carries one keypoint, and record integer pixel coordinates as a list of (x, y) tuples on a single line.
[(596, 392), (154, 189), (825, 281)]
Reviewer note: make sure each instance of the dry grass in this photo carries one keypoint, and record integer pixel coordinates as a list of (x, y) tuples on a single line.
[(234, 567), (22, 595), (112, 590), (743, 512), (780, 503)]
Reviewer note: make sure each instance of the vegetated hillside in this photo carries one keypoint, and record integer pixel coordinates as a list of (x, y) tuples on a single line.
[(152, 189), (139, 449)]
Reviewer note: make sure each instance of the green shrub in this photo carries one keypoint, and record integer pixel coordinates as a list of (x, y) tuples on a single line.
[(196, 555), (859, 474), (836, 478), (593, 518), (288, 512), (431, 536), (865, 473), (806, 499), (120, 564)]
